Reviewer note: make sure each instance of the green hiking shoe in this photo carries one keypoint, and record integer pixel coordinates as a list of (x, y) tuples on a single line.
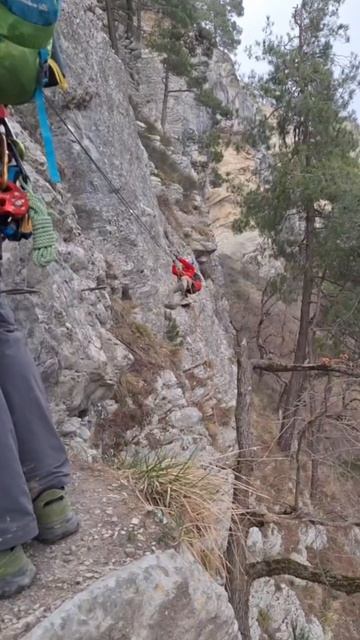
[(16, 572), (55, 518)]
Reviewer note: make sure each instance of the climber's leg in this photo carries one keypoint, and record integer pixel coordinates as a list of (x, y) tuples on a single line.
[(180, 291), (185, 283), (17, 520), (178, 287), (41, 452)]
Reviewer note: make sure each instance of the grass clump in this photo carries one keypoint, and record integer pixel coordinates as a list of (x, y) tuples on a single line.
[(264, 620), (173, 333), (193, 498), (300, 633)]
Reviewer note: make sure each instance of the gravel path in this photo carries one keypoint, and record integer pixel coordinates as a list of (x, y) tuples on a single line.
[(116, 528)]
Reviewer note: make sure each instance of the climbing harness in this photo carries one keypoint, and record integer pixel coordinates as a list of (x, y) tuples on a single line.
[(22, 213), (14, 202)]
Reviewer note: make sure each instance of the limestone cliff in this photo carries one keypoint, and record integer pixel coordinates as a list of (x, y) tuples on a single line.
[(103, 241)]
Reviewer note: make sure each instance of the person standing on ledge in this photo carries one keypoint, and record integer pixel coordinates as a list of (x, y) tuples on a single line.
[(34, 469)]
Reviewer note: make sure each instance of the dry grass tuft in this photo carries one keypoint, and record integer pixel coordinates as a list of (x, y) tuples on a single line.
[(197, 500), (151, 355), (192, 497)]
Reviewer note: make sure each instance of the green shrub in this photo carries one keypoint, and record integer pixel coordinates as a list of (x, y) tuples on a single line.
[(208, 99), (264, 620), (173, 333), (300, 632), (216, 179)]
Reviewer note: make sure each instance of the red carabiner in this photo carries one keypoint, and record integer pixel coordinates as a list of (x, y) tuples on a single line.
[(14, 202)]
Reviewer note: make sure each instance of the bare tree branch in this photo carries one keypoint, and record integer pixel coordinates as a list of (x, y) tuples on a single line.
[(272, 366), (284, 566)]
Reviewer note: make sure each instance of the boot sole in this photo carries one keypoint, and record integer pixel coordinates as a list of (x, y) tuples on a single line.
[(55, 533), (18, 582)]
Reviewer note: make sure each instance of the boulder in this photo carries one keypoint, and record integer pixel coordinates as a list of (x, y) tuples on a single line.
[(161, 596)]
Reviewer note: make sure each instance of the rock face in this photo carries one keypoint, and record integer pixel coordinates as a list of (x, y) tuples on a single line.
[(225, 83), (112, 241), (159, 597), (275, 609)]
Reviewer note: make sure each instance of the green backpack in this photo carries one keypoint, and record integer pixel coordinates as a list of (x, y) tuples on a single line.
[(26, 64), (26, 28)]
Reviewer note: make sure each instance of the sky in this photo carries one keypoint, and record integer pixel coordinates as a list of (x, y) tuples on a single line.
[(280, 11)]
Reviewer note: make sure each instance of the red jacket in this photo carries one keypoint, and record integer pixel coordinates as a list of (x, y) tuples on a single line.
[(188, 270)]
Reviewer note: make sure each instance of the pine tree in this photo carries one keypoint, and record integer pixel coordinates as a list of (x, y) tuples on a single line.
[(313, 177), (178, 21), (221, 17)]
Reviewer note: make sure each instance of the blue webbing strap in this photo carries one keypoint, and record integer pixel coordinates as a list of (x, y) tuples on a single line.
[(45, 128)]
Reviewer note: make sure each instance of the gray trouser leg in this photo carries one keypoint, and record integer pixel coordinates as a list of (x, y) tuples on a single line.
[(17, 520), (183, 285), (41, 457)]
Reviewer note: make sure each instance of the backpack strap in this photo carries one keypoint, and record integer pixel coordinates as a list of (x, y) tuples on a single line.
[(44, 124)]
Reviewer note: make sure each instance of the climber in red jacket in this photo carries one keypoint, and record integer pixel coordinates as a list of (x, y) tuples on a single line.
[(189, 280)]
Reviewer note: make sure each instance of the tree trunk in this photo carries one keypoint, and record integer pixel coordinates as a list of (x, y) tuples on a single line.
[(238, 586), (111, 25), (165, 103), (298, 470), (316, 424), (237, 583), (264, 314), (139, 6), (245, 460), (130, 19), (296, 382), (315, 443)]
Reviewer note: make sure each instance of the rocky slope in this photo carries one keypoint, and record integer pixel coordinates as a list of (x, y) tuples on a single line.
[(103, 240)]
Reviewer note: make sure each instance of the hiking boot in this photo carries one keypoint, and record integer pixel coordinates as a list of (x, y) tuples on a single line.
[(16, 572), (55, 518)]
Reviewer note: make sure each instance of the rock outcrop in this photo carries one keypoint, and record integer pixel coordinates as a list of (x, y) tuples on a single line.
[(104, 240), (159, 597)]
